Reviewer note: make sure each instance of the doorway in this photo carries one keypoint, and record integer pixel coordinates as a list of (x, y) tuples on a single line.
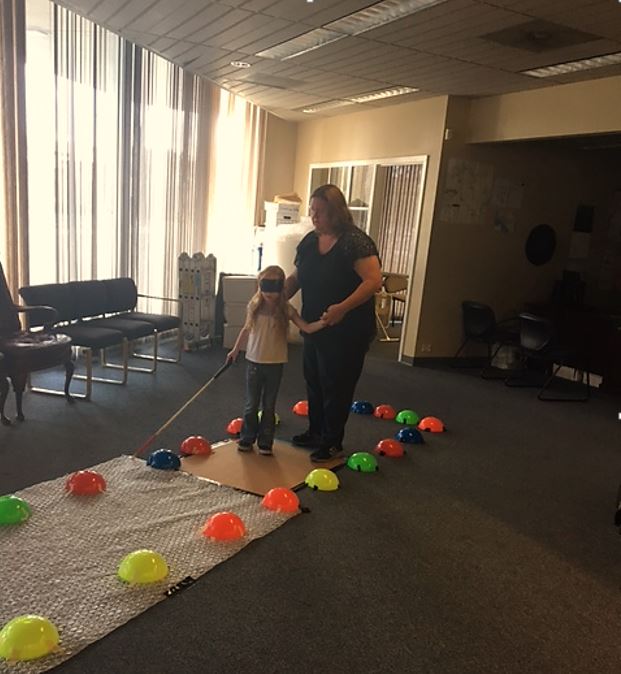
[(385, 197)]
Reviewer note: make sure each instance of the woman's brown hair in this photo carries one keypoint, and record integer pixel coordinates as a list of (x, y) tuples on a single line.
[(338, 212)]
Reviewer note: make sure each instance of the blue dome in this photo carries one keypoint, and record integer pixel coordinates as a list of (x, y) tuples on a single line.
[(410, 435), (362, 407), (164, 459)]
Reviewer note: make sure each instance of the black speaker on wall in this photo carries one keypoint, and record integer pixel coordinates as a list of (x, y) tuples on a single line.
[(584, 218)]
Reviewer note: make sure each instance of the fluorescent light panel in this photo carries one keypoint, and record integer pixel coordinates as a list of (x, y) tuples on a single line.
[(326, 105), (379, 15), (301, 44), (385, 93), (361, 98), (353, 24), (575, 66)]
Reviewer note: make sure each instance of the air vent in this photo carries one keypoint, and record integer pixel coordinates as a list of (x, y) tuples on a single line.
[(539, 36)]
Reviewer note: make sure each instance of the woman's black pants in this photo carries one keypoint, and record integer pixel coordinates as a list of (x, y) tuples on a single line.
[(332, 368)]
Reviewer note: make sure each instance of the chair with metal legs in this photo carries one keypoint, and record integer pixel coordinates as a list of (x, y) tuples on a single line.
[(480, 327), (538, 344)]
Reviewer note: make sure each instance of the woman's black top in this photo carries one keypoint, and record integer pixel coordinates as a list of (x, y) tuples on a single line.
[(329, 278)]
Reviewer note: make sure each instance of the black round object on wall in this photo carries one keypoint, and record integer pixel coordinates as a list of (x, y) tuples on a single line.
[(541, 244)]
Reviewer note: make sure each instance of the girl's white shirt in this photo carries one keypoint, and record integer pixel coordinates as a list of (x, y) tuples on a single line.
[(267, 343)]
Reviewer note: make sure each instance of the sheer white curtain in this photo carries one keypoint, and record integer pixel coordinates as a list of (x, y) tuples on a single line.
[(236, 168), (144, 161), (13, 185)]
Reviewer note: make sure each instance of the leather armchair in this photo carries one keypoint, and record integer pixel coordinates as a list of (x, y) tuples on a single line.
[(25, 351)]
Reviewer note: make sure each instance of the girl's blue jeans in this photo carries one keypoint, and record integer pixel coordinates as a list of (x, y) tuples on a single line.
[(262, 384)]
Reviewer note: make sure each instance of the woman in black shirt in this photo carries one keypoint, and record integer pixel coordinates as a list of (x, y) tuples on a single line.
[(338, 271)]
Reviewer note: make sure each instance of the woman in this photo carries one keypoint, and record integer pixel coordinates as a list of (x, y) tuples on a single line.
[(338, 271)]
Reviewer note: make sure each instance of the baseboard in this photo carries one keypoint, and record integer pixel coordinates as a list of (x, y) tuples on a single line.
[(432, 360)]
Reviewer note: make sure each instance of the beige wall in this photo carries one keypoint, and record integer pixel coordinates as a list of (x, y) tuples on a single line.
[(581, 108), (602, 269), (468, 257), (409, 129), (457, 257), (279, 163)]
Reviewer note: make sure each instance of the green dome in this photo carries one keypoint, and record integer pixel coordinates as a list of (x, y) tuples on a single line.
[(13, 510), (408, 417), (363, 462)]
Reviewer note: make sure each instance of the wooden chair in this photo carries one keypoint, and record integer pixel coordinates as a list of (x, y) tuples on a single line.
[(25, 351)]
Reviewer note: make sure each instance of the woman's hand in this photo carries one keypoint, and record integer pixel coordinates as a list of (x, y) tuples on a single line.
[(333, 314)]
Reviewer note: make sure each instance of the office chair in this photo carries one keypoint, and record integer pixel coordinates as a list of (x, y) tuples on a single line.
[(480, 327), (538, 345), (393, 290), (395, 285)]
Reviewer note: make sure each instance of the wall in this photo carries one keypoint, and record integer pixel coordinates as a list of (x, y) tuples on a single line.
[(279, 164), (505, 186), (602, 269), (570, 109), (408, 129)]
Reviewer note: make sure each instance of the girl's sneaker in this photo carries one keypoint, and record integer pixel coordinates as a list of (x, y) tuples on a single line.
[(244, 446), (266, 451)]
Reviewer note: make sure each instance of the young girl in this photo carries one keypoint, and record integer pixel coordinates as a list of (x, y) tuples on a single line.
[(264, 337)]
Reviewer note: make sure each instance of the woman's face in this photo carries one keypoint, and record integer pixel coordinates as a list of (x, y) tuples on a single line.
[(320, 215)]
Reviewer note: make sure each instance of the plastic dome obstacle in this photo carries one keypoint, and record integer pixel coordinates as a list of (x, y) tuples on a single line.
[(224, 526), (164, 459), (384, 412), (86, 483), (195, 444), (389, 447), (410, 435), (322, 479), (13, 510), (142, 567), (281, 500), (363, 462), (28, 637)]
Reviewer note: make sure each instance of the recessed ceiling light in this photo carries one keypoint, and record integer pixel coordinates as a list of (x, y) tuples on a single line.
[(575, 66), (384, 93), (240, 64), (359, 22)]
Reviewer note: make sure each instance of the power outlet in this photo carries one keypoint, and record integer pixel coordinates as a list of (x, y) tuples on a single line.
[(425, 348)]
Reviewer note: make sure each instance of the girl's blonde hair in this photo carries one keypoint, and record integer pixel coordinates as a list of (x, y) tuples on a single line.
[(257, 301)]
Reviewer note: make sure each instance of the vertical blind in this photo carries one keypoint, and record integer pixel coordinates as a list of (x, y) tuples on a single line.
[(398, 217), (131, 160)]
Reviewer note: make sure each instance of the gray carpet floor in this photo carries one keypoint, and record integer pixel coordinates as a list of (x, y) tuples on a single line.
[(491, 548)]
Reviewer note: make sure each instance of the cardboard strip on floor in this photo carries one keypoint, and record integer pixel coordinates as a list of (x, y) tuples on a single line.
[(251, 472)]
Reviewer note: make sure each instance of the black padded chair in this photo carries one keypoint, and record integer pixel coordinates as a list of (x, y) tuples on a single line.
[(539, 346), (480, 327), (122, 298)]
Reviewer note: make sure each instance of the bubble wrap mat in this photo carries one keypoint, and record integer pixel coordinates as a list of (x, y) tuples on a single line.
[(62, 562)]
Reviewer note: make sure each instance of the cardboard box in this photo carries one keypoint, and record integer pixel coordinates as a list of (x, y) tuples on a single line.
[(230, 335), (281, 214), (238, 289), (235, 313)]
